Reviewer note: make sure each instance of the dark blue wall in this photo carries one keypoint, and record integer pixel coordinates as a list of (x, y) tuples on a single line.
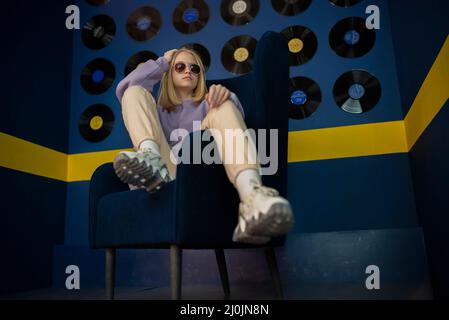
[(419, 32), (429, 160), (352, 194), (36, 64)]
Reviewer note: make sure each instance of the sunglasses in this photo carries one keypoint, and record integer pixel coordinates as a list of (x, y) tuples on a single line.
[(181, 66)]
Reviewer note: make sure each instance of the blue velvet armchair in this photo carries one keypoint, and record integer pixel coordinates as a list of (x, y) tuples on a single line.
[(198, 210)]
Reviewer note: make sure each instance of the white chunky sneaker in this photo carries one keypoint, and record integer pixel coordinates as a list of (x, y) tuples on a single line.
[(144, 168), (262, 215)]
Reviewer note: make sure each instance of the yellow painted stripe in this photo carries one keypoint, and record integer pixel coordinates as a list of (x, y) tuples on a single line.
[(82, 165), (348, 141), (431, 97), (21, 155), (308, 145), (25, 156)]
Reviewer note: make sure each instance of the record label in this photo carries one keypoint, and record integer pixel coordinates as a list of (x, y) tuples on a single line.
[(239, 7), (356, 91), (295, 45), (298, 97), (190, 15), (241, 54), (96, 123), (352, 37)]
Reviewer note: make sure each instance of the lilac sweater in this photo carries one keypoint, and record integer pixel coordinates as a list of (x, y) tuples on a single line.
[(149, 74)]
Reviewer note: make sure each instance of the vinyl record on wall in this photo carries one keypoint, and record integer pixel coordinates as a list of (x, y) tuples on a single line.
[(140, 57), (97, 2), (98, 32), (202, 52), (290, 7), (237, 54), (350, 38), (344, 3), (96, 123), (144, 23), (239, 12), (357, 91), (190, 16), (305, 97), (302, 44), (98, 76)]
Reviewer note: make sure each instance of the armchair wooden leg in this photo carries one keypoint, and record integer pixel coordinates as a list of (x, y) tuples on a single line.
[(176, 271), (221, 261), (110, 273), (270, 256)]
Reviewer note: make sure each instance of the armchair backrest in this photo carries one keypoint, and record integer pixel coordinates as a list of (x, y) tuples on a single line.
[(264, 94)]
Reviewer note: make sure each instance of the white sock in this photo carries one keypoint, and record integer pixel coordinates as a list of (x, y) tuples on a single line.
[(150, 144), (245, 182)]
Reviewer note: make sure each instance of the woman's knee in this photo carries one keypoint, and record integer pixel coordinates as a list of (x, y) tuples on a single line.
[(227, 106)]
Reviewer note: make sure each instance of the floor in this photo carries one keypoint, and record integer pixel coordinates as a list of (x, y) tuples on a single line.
[(241, 292)]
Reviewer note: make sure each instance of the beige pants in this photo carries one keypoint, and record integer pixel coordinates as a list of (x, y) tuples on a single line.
[(142, 122)]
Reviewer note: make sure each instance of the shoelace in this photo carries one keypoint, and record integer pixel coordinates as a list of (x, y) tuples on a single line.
[(270, 192), (150, 152), (154, 157), (267, 191)]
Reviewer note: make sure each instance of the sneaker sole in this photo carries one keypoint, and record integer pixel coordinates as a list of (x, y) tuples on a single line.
[(136, 173), (278, 221), (240, 236)]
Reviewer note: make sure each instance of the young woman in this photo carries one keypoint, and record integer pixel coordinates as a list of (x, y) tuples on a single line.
[(183, 98)]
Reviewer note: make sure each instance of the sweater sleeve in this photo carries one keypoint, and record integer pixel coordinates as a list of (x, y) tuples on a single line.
[(233, 97), (147, 75)]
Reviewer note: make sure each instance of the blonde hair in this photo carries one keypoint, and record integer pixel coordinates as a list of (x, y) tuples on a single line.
[(167, 97)]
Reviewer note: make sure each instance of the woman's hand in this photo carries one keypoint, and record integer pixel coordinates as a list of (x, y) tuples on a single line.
[(169, 55), (217, 95)]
